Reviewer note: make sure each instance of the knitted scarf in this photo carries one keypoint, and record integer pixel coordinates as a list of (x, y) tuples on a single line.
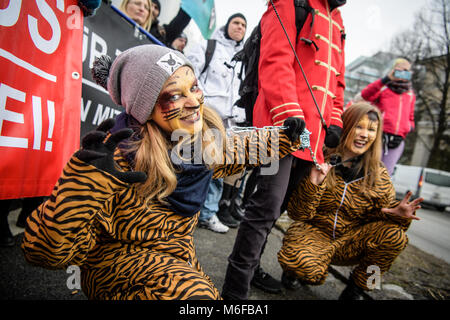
[(192, 179), (399, 87)]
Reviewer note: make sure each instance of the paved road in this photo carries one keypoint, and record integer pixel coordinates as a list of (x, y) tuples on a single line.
[(19, 280), (213, 250), (432, 233)]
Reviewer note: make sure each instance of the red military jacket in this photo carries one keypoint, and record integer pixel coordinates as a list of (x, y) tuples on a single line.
[(283, 91)]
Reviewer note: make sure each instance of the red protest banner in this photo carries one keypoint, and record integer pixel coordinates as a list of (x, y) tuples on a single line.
[(40, 90)]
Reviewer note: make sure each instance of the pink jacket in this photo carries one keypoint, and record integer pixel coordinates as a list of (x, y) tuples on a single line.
[(397, 109)]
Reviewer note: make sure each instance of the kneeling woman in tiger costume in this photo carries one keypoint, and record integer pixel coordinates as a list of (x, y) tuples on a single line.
[(125, 207), (346, 213)]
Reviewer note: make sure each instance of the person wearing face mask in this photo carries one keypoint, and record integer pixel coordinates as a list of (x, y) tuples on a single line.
[(220, 83), (346, 213), (127, 203), (395, 98)]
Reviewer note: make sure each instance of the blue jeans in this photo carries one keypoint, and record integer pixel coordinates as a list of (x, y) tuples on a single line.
[(211, 205)]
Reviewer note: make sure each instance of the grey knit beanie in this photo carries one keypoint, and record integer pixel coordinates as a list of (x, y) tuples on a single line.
[(135, 78)]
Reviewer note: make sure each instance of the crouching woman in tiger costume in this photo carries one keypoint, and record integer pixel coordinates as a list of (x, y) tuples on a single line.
[(346, 213), (125, 207)]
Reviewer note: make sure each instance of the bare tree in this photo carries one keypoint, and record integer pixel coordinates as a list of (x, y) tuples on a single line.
[(427, 45)]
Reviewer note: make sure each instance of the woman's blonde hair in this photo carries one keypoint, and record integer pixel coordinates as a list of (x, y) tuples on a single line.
[(148, 22), (400, 61), (371, 159), (153, 156)]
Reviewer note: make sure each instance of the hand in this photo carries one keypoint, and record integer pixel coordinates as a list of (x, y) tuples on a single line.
[(317, 176), (405, 209), (390, 75), (333, 136), (100, 153), (295, 127)]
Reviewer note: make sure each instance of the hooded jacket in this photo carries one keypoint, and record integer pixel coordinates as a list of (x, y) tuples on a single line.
[(219, 83)]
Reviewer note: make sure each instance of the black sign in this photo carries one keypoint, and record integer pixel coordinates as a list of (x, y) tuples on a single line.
[(107, 32)]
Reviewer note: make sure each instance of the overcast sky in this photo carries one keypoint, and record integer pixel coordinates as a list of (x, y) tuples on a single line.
[(369, 24)]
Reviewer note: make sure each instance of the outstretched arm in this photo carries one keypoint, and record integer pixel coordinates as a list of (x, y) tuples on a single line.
[(405, 209), (62, 231), (259, 147)]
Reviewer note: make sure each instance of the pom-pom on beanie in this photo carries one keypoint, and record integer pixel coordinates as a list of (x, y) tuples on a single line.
[(135, 78)]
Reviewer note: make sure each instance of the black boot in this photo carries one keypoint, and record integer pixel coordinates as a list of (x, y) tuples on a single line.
[(290, 281), (264, 281), (352, 291), (6, 237), (227, 296), (224, 213)]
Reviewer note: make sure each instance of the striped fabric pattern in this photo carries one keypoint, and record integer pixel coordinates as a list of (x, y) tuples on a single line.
[(126, 250), (363, 235)]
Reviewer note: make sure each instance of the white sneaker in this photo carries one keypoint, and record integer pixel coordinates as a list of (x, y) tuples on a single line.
[(214, 224)]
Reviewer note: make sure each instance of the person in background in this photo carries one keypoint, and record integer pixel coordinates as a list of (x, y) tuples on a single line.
[(283, 92), (395, 98), (355, 99), (346, 213), (220, 83), (167, 33), (180, 42), (140, 11)]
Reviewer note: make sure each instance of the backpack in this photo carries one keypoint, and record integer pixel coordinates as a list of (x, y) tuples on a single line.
[(249, 58)]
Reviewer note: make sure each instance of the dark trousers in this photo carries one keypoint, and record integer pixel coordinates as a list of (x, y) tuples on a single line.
[(4, 212), (262, 210)]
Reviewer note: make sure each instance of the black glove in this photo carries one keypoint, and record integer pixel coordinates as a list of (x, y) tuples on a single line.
[(333, 136), (101, 154), (295, 127)]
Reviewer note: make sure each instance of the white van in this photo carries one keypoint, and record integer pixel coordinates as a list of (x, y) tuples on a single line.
[(430, 184)]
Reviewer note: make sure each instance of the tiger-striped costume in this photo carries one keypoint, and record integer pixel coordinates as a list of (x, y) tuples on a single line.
[(342, 227), (124, 249)]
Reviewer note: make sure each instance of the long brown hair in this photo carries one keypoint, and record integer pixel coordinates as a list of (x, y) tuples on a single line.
[(153, 158), (371, 159)]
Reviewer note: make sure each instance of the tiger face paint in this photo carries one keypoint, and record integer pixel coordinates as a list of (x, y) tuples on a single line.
[(180, 103), (361, 137)]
